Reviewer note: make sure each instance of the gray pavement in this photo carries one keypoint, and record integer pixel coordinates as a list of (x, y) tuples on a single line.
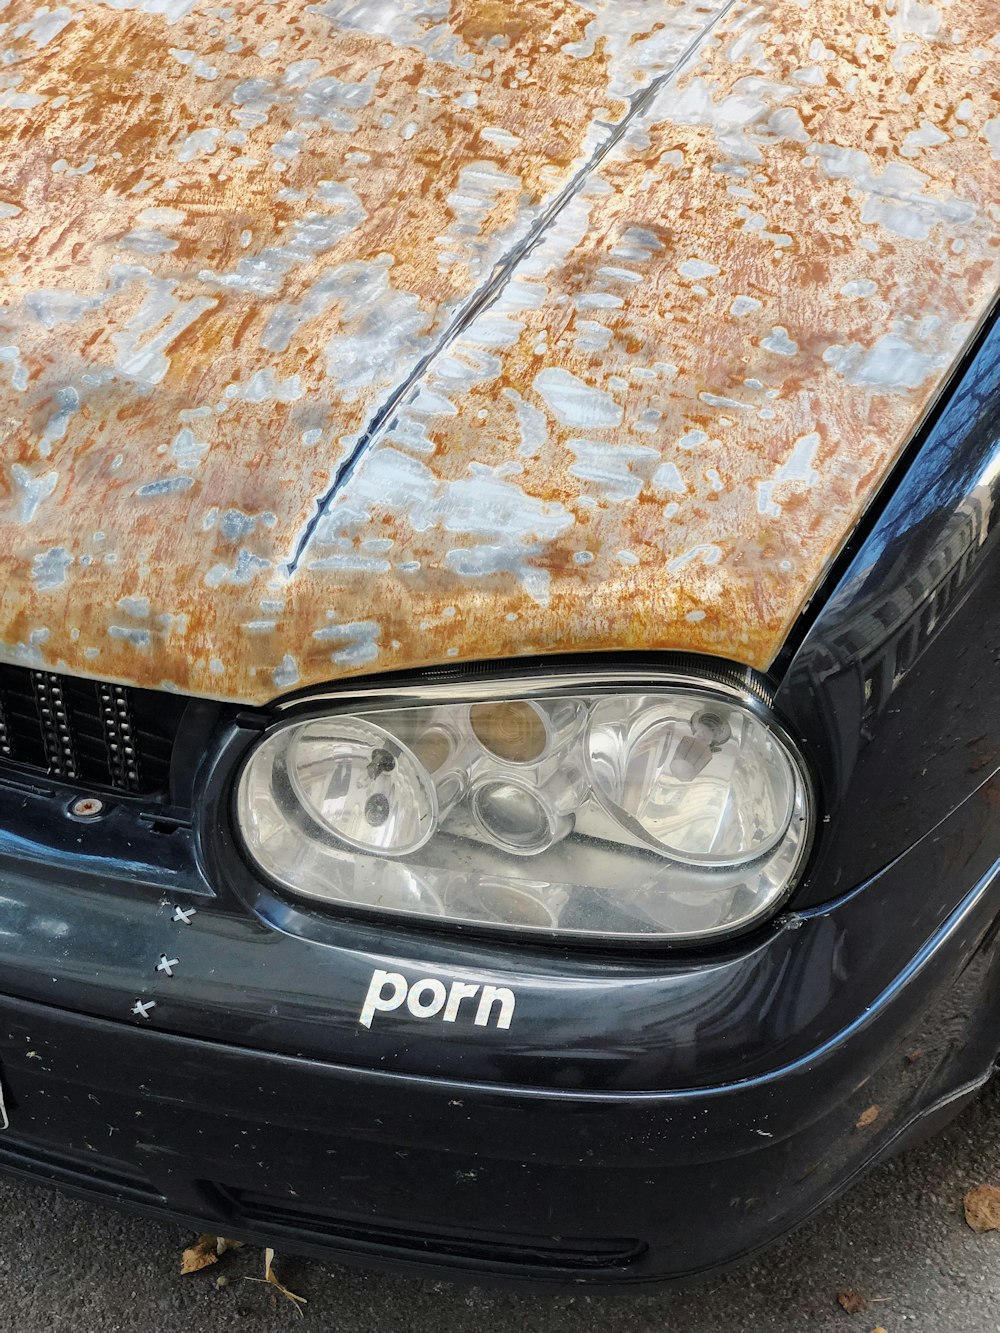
[(899, 1238)]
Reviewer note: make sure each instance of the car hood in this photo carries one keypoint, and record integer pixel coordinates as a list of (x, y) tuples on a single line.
[(356, 336)]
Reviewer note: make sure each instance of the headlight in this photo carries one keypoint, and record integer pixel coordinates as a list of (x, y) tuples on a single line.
[(670, 812)]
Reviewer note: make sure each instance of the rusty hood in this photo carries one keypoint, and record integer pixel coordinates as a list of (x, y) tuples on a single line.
[(363, 335)]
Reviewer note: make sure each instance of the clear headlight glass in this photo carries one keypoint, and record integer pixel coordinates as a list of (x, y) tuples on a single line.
[(677, 812)]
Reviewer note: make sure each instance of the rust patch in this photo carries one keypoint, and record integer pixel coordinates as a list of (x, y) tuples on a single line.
[(653, 385)]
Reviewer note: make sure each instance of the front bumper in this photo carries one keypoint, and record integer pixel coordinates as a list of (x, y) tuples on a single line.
[(639, 1121)]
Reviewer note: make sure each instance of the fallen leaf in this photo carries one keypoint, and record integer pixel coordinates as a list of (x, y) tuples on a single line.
[(880, 1329), (868, 1117), (852, 1301), (269, 1277), (205, 1252), (982, 1208), (199, 1255)]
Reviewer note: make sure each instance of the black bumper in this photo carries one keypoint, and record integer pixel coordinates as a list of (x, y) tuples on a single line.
[(639, 1121)]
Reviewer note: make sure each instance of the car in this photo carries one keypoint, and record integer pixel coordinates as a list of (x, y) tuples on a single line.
[(499, 509)]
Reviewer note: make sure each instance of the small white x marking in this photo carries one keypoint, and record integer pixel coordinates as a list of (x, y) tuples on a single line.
[(167, 964), (183, 914), (141, 1008)]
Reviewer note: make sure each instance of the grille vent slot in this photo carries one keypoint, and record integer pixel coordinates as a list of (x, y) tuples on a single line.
[(87, 732), (266, 1213)]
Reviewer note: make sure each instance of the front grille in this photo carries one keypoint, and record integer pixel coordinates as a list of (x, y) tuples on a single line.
[(87, 732)]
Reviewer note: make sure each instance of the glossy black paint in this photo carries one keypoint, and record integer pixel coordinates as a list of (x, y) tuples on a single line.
[(460, 1173), (754, 1078), (896, 688)]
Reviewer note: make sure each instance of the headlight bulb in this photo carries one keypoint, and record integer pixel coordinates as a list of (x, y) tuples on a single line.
[(685, 781), (709, 732), (363, 784)]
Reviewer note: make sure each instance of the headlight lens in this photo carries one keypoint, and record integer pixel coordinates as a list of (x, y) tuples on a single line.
[(673, 813)]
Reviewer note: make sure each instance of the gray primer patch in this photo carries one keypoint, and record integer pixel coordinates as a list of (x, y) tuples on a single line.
[(49, 569), (247, 567), (575, 403), (166, 486), (33, 490), (286, 675), (138, 638), (361, 638), (892, 365)]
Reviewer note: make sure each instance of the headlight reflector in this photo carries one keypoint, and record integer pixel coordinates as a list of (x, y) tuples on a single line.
[(705, 786), (674, 812)]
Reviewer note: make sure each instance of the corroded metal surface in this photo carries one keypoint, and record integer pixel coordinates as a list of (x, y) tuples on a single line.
[(355, 336)]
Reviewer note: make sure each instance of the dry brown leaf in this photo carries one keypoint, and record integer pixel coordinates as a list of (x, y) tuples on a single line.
[(269, 1277), (880, 1329), (868, 1117), (199, 1255), (852, 1301), (982, 1208), (205, 1252)]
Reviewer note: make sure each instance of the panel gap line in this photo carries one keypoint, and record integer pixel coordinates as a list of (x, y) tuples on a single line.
[(384, 417)]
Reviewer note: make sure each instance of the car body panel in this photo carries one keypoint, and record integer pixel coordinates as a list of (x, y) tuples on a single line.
[(897, 672), (350, 338), (456, 1170)]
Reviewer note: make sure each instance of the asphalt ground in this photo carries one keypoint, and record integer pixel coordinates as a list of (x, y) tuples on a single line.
[(899, 1239)]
